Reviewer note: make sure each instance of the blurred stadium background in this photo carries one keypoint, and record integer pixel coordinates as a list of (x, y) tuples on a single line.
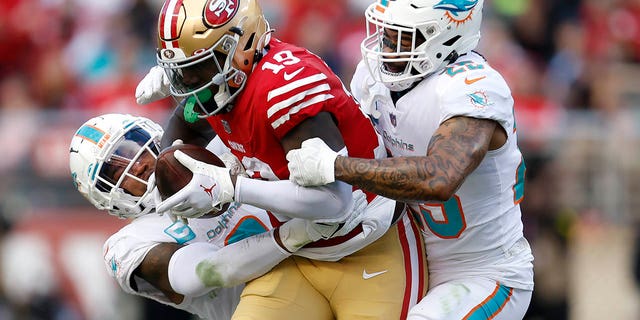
[(573, 67)]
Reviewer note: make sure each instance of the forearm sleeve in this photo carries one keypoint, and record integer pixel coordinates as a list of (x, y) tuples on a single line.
[(378, 218), (199, 267), (329, 203)]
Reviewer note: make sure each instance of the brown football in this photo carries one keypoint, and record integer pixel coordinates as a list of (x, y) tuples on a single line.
[(171, 175)]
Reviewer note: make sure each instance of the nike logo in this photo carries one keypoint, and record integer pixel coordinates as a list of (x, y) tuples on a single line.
[(366, 275), (288, 77), (474, 80)]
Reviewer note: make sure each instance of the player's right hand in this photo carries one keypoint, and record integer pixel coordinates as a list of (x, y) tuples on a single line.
[(234, 164), (154, 86), (313, 164), (153, 192), (209, 189), (296, 233), (353, 219)]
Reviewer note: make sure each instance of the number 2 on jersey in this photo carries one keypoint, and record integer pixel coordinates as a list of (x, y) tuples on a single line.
[(462, 67)]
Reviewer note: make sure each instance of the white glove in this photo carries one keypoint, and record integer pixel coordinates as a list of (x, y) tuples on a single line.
[(319, 231), (296, 233), (313, 164), (233, 164), (154, 86), (156, 199), (209, 189)]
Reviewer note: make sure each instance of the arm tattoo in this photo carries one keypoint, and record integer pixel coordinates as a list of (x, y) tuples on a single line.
[(455, 150)]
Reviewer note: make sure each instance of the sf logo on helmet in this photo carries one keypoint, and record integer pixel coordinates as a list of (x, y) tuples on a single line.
[(219, 12)]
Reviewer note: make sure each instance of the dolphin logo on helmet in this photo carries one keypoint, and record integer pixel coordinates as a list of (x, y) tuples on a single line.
[(456, 6)]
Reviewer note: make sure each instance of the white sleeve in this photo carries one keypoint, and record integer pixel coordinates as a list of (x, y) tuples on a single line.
[(217, 146), (378, 218), (328, 203), (487, 99), (199, 267), (122, 254)]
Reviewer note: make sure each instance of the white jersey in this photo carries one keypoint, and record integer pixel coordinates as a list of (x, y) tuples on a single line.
[(478, 232), (124, 251)]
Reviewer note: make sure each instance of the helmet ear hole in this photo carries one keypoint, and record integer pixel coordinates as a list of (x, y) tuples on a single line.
[(452, 41), (249, 43), (453, 56)]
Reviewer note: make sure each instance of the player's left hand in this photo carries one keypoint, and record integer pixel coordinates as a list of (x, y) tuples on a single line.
[(154, 86), (313, 164), (209, 189)]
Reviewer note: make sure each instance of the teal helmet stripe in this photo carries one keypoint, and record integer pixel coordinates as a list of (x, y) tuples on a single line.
[(90, 133)]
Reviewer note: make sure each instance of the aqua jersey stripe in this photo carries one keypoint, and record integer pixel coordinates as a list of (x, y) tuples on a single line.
[(246, 228), (492, 305), (90, 133)]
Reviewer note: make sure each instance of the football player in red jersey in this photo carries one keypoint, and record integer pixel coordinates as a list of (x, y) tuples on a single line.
[(263, 97), (111, 159)]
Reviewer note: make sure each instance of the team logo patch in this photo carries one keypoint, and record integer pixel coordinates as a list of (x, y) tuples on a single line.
[(479, 99), (393, 119), (168, 54), (458, 11), (218, 12)]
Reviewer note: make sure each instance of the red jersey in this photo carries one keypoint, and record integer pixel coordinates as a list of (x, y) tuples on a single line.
[(287, 86)]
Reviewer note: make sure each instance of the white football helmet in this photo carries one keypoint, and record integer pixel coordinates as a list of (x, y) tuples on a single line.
[(435, 33), (108, 144), (224, 38)]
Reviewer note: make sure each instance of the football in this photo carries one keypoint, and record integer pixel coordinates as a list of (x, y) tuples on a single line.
[(171, 175)]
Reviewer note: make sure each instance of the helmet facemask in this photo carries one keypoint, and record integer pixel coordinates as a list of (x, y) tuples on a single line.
[(432, 38), (225, 38), (112, 158), (116, 168), (217, 62)]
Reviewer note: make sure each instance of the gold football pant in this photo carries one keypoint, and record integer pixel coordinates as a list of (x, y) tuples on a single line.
[(381, 281)]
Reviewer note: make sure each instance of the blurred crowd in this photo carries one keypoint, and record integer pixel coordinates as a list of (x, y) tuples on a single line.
[(572, 65)]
